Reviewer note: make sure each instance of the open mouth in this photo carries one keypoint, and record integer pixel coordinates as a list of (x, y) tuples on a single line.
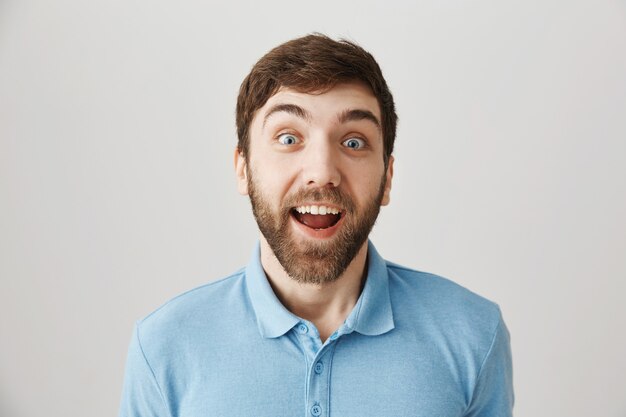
[(317, 217)]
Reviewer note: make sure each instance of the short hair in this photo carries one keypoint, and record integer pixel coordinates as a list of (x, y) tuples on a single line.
[(312, 64)]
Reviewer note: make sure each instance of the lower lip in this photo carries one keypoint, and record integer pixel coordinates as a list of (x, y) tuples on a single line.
[(317, 233)]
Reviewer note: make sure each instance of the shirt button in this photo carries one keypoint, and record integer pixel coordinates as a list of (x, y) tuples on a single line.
[(334, 336), (302, 328), (319, 368), (316, 410)]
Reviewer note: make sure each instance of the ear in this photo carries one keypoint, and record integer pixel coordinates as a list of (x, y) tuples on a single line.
[(389, 177), (241, 171)]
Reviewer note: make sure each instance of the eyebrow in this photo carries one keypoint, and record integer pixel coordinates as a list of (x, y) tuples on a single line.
[(358, 114), (287, 108), (344, 117)]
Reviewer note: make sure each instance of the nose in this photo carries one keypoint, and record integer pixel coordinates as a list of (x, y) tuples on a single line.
[(320, 165)]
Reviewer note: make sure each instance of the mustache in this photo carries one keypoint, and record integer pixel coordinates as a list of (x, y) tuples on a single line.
[(332, 196)]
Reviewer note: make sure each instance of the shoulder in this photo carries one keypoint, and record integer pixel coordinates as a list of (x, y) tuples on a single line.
[(201, 308), (440, 305), (463, 331), (436, 290), (436, 287)]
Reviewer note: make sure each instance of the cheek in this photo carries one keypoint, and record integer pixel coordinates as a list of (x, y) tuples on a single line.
[(367, 188), (366, 179), (271, 184)]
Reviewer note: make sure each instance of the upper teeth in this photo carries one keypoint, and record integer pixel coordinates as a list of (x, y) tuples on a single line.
[(317, 210)]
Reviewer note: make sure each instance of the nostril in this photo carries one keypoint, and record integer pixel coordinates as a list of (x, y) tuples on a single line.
[(321, 185), (324, 180)]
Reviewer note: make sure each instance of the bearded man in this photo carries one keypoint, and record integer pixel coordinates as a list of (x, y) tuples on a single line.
[(318, 323)]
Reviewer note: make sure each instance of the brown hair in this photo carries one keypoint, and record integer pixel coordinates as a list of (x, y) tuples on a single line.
[(313, 63)]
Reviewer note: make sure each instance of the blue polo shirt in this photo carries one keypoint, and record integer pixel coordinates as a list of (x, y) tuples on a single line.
[(415, 344)]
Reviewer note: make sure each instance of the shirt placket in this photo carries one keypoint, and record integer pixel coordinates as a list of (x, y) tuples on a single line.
[(318, 366)]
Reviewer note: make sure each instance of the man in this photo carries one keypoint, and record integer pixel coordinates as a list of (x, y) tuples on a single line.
[(318, 324)]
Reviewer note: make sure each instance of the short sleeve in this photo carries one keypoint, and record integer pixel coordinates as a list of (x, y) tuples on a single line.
[(493, 394), (141, 395)]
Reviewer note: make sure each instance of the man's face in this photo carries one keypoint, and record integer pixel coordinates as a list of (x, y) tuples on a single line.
[(316, 177)]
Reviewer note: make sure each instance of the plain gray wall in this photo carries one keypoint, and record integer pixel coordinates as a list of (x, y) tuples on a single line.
[(117, 189)]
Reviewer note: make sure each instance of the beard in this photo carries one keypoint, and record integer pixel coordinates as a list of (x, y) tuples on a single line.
[(315, 262)]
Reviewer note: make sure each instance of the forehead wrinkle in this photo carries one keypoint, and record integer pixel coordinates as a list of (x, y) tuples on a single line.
[(292, 109), (358, 114)]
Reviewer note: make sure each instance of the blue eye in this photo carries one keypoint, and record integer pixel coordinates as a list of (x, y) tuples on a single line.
[(287, 139), (354, 143)]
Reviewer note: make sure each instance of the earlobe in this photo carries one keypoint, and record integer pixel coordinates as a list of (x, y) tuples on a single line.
[(388, 180), (241, 172)]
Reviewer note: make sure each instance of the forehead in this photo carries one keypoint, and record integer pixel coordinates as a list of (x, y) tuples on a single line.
[(327, 104)]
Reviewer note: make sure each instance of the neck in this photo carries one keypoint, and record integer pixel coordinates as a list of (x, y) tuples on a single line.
[(326, 305)]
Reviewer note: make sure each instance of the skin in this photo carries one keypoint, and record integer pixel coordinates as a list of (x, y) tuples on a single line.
[(323, 154)]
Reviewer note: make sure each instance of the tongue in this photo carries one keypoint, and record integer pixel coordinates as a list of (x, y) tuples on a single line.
[(318, 221)]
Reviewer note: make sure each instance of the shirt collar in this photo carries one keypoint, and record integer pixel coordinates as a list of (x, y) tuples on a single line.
[(273, 319), (372, 315)]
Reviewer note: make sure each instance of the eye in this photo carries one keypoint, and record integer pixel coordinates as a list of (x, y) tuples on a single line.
[(354, 143), (287, 139)]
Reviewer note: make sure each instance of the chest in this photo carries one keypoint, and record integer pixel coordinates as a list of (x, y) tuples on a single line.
[(345, 378)]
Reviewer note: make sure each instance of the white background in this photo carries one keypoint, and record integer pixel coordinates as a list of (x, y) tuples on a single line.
[(117, 189)]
